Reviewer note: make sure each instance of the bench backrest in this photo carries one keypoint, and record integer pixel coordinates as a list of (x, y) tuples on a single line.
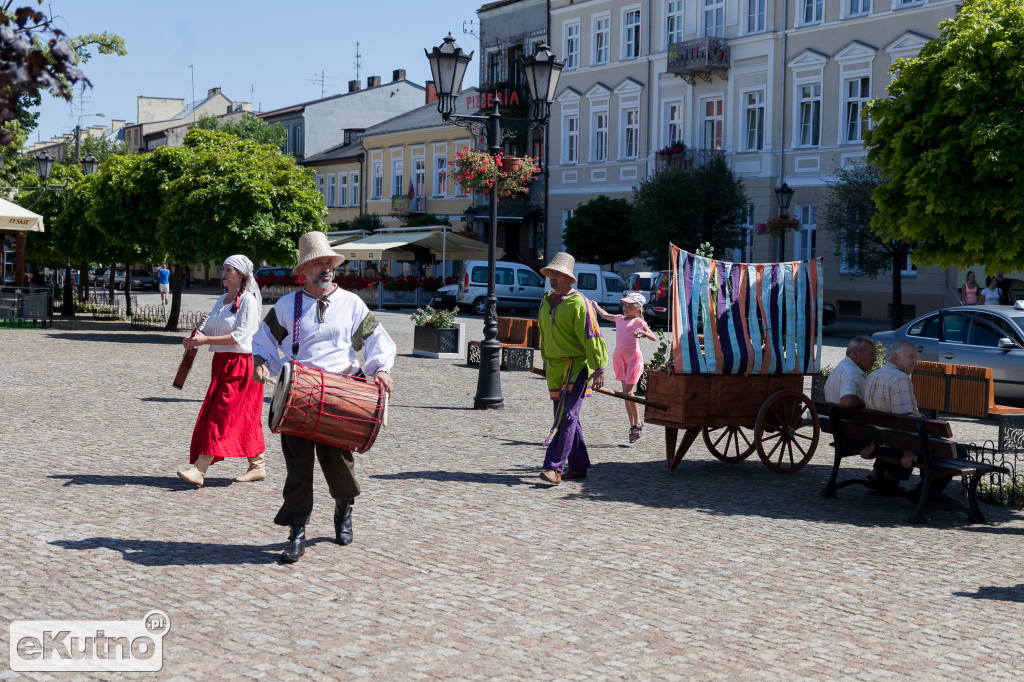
[(504, 325), (890, 430), (520, 331), (956, 389)]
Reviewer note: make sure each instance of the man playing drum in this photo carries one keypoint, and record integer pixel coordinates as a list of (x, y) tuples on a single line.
[(332, 325)]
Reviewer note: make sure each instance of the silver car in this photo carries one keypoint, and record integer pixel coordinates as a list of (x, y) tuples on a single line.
[(983, 336)]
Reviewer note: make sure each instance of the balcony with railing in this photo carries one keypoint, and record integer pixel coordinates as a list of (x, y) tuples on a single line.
[(674, 158), (699, 58)]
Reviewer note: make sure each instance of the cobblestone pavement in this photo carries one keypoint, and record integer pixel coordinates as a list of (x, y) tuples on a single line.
[(463, 566)]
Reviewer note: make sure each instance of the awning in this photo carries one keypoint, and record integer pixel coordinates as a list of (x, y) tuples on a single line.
[(14, 218), (389, 246), (507, 211)]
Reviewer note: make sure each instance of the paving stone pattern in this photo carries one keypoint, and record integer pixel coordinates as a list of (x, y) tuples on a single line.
[(463, 566)]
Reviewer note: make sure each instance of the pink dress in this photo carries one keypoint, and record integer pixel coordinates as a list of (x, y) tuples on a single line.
[(627, 360)]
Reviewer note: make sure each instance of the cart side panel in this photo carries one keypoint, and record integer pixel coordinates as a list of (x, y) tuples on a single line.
[(712, 400)]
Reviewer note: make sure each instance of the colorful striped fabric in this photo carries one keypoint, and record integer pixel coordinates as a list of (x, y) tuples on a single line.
[(758, 318)]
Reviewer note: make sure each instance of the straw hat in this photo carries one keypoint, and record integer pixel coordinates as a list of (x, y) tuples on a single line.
[(313, 245), (562, 263)]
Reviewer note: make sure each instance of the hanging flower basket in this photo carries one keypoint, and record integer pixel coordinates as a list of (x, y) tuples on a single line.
[(516, 175), (780, 225), (474, 170)]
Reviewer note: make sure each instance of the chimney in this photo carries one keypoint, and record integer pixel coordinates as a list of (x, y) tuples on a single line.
[(212, 91), (372, 81), (397, 75), (354, 86), (431, 93)]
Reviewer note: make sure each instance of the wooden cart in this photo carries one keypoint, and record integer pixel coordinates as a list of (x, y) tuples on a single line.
[(736, 414)]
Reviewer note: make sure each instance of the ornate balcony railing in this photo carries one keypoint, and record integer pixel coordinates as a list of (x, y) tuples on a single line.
[(701, 57), (686, 159)]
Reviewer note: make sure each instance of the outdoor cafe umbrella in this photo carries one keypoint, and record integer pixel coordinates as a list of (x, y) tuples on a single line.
[(14, 218)]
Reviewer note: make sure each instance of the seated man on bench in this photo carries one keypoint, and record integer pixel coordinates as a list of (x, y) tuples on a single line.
[(890, 389)]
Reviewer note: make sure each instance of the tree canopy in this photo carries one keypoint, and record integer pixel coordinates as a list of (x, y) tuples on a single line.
[(949, 142), (595, 233), (688, 207), (248, 127)]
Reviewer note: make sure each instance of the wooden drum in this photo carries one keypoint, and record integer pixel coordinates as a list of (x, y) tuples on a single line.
[(335, 409)]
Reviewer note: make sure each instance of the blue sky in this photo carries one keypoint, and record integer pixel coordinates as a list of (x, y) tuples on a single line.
[(266, 52)]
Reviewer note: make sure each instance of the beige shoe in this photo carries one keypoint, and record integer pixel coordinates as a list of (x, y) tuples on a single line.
[(196, 475), (257, 471)]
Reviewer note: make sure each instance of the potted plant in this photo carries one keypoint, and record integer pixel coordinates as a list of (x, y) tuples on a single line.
[(779, 225), (436, 335), (474, 170), (516, 174)]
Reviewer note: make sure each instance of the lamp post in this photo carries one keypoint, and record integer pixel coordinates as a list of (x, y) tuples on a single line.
[(783, 195), (44, 165), (448, 64)]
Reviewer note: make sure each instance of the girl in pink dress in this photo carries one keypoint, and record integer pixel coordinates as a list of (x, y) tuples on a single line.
[(627, 359)]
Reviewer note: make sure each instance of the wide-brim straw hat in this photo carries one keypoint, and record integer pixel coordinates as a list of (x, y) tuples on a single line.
[(313, 245), (562, 263)]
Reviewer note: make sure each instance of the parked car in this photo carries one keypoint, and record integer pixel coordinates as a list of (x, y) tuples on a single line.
[(102, 281), (271, 271), (142, 280), (96, 275), (983, 336), (828, 315), (656, 310), (517, 286), (444, 297), (602, 286), (641, 281)]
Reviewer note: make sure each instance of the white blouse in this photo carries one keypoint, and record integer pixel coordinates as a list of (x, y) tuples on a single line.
[(241, 325)]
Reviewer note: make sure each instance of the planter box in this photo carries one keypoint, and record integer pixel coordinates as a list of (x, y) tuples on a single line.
[(430, 342)]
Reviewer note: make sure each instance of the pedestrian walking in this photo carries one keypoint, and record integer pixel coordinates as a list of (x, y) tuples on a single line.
[(229, 422), (163, 282), (970, 290), (628, 360)]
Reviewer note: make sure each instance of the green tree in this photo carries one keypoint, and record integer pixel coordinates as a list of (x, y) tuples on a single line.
[(101, 148), (248, 127), (427, 219), (949, 141), (847, 214), (370, 222), (688, 207), (598, 231)]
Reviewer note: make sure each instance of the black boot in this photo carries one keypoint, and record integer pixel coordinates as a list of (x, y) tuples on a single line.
[(296, 545), (343, 522)]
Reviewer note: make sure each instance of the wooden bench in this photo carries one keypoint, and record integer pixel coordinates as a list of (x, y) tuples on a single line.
[(929, 439), (962, 390), (519, 338)]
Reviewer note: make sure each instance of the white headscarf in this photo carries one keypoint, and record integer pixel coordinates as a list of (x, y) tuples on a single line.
[(245, 266)]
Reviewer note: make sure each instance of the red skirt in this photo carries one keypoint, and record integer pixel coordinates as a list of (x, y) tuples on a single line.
[(230, 421)]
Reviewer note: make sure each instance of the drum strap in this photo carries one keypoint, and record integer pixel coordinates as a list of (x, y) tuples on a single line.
[(295, 324)]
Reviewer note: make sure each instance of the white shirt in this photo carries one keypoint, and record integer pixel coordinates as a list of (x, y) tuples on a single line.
[(846, 379), (241, 325), (989, 296), (348, 326)]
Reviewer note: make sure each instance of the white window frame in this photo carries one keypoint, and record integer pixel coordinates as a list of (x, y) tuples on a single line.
[(354, 196), (332, 196), (440, 171), (673, 22), (909, 269), (849, 102), (716, 117), (459, 191), (799, 101), (419, 174), (810, 12), (601, 28), (571, 43), (398, 173), (757, 109), (856, 8), (674, 122), (599, 134), (805, 240), (377, 177), (900, 4), (632, 32), (571, 136), (629, 127), (713, 11), (756, 11), (321, 185), (343, 199)]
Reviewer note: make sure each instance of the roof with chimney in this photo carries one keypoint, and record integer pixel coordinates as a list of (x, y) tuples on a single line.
[(423, 117)]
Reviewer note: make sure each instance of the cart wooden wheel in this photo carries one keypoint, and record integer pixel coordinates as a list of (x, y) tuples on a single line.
[(728, 443), (786, 431)]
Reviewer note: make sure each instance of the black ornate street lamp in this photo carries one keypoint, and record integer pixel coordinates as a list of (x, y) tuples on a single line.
[(448, 64), (783, 195), (44, 165)]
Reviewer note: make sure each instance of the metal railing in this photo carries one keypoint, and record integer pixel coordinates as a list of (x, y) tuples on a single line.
[(1006, 490), (154, 318), (687, 159), (26, 306)]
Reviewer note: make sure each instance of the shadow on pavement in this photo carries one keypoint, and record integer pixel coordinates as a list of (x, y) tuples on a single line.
[(1015, 593), (118, 337), (166, 553), (169, 482), (458, 477), (174, 400)]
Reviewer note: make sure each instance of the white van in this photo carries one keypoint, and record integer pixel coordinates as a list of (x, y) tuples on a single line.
[(516, 286), (602, 286)]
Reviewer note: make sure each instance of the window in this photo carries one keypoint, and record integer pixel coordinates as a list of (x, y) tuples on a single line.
[(503, 276), (293, 143), (587, 281), (849, 252), (602, 36), (631, 133), (714, 18), (755, 15), (529, 278), (674, 117), (909, 269), (714, 121), (805, 240), (377, 181), (397, 176), (674, 21), (858, 92), (343, 189), (631, 34), (419, 176), (440, 175), (320, 186), (515, 68), (600, 150), (331, 180), (927, 328), (572, 45), (354, 194), (571, 148), (856, 7), (493, 67), (753, 105), (812, 11), (810, 115), (954, 327)]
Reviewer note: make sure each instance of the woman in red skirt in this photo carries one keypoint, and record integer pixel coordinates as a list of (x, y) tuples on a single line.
[(229, 423)]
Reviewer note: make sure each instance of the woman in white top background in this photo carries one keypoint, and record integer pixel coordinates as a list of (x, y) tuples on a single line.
[(229, 422), (990, 295)]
